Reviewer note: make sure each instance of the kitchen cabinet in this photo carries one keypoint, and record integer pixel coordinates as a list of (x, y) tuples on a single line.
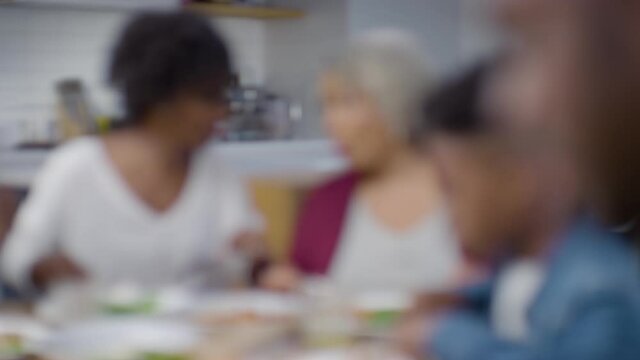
[(298, 163)]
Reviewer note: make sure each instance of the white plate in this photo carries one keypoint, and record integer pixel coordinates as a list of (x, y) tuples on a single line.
[(254, 302), (383, 301), (77, 301), (30, 330), (351, 354), (119, 338)]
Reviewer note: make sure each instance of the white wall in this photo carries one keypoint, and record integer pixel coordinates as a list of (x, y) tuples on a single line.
[(434, 23), (39, 46), (450, 32), (247, 40), (296, 51), (478, 35)]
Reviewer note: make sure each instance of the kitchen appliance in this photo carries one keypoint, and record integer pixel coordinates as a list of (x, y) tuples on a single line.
[(76, 117), (258, 114)]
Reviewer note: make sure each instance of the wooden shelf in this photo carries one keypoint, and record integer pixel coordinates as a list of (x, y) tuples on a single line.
[(208, 9), (252, 12)]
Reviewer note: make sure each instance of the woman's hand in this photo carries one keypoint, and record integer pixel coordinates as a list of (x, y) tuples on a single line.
[(414, 333), (280, 277), (410, 335), (55, 268), (435, 302), (250, 244)]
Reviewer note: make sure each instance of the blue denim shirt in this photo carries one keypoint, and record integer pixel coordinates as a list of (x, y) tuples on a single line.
[(588, 308)]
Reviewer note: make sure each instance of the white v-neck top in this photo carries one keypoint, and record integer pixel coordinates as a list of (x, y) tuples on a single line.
[(372, 257), (80, 205)]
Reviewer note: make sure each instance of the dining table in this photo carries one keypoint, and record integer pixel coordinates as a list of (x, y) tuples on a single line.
[(215, 325)]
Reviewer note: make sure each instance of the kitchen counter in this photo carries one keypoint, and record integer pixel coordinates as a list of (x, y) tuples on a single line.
[(292, 162), (19, 167)]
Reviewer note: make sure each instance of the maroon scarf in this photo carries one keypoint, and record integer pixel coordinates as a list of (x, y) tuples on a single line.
[(320, 225)]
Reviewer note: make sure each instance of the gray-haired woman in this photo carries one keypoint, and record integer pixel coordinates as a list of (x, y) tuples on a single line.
[(382, 225)]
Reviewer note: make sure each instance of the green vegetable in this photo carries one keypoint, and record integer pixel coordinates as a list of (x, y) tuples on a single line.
[(11, 346), (146, 306), (384, 319)]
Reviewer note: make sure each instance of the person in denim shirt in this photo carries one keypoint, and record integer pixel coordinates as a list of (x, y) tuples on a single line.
[(587, 308), (511, 201)]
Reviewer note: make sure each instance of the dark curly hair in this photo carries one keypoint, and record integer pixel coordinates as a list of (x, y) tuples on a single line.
[(160, 55)]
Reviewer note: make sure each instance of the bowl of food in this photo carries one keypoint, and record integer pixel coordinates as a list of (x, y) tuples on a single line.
[(380, 310), (78, 301)]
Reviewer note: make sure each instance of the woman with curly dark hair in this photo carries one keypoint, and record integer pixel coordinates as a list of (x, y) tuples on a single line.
[(146, 204)]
